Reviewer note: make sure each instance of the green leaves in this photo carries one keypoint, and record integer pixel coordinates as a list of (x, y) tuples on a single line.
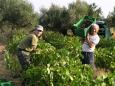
[(105, 54), (61, 65), (57, 62), (17, 13)]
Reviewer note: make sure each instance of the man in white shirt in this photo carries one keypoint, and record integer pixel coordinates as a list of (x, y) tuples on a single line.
[(89, 45)]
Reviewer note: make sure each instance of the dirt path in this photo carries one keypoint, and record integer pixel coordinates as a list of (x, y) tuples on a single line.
[(4, 72)]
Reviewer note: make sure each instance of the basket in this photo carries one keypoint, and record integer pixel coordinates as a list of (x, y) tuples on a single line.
[(83, 26), (4, 82)]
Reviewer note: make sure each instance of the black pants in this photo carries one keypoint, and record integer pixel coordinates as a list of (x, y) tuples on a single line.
[(23, 58), (88, 58)]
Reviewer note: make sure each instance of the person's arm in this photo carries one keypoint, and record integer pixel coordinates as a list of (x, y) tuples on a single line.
[(90, 43), (34, 43), (33, 47)]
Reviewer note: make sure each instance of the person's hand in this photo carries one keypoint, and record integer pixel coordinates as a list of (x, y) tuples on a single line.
[(38, 50), (87, 37), (34, 51)]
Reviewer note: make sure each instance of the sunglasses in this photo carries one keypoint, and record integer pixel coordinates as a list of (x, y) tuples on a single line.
[(39, 30)]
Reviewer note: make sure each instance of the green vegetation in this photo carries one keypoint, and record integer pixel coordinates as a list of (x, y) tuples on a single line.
[(17, 13), (58, 59), (57, 62)]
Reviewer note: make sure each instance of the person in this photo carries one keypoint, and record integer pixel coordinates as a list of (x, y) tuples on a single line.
[(89, 44), (28, 45)]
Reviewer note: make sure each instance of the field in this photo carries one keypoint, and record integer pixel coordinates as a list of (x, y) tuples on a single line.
[(58, 62)]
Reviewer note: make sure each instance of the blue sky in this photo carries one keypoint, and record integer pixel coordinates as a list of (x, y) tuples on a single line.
[(106, 5)]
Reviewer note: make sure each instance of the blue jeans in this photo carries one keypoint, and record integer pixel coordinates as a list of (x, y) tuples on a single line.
[(88, 58)]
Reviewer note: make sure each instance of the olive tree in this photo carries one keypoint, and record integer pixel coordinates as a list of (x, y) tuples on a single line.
[(77, 10), (17, 13), (55, 18)]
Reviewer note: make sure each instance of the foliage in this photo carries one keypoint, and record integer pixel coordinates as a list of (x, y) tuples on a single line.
[(57, 61), (61, 19), (10, 57), (60, 65), (106, 43), (105, 56), (57, 67), (60, 41), (77, 10), (111, 18), (56, 18), (14, 41), (94, 11), (108, 80), (12, 63), (17, 13)]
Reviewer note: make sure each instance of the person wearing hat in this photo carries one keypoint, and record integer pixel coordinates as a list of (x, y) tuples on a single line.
[(27, 45), (89, 45)]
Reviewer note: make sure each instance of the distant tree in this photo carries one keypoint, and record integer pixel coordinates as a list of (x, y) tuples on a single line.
[(111, 18), (94, 11), (55, 18), (77, 10), (18, 13), (43, 20)]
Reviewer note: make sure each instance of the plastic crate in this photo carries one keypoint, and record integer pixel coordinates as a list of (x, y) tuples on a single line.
[(83, 26), (4, 82)]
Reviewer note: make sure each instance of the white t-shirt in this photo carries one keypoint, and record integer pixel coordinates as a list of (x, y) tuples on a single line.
[(95, 39)]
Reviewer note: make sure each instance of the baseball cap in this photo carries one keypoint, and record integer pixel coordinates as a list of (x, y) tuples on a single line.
[(39, 28)]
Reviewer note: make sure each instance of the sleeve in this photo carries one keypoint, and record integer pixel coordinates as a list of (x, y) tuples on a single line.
[(34, 40), (96, 40)]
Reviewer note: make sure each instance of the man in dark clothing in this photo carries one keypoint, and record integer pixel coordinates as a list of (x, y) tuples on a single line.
[(28, 45)]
